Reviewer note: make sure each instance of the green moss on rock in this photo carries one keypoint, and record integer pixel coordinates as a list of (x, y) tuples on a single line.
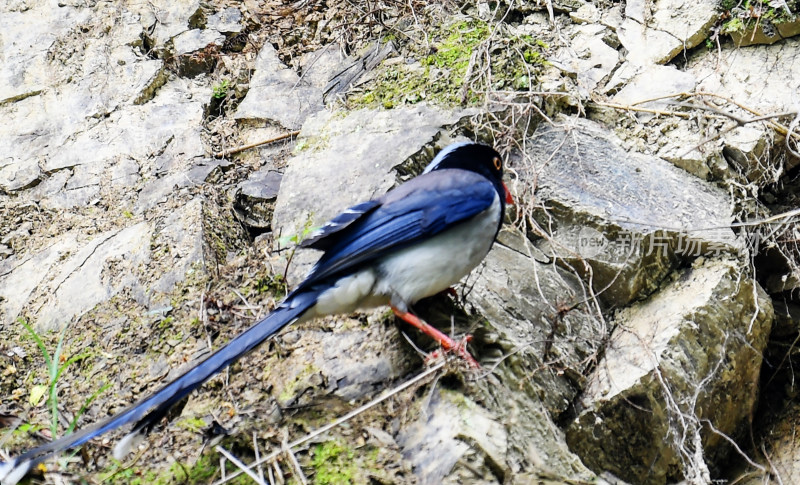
[(333, 464), (453, 71)]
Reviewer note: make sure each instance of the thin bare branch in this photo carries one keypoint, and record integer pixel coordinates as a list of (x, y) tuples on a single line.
[(241, 466), (386, 395), (233, 151)]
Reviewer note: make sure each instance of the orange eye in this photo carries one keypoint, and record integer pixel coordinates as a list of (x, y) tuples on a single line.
[(498, 164)]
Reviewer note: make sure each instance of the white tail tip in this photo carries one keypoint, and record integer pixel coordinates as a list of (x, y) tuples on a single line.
[(126, 444), (11, 472)]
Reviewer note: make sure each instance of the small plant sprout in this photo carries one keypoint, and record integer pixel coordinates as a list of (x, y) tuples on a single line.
[(220, 90), (55, 369)]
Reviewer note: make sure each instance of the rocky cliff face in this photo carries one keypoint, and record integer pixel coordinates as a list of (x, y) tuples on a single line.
[(636, 322)]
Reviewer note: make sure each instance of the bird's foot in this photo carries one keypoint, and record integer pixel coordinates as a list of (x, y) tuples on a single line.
[(447, 343), (459, 348)]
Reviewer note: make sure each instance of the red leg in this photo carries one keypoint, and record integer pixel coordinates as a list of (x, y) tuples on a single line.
[(446, 342)]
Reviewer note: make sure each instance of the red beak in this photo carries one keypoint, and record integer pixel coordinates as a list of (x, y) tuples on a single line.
[(509, 199)]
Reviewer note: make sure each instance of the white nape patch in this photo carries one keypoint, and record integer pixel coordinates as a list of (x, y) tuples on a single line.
[(347, 294), (11, 472), (444, 154), (126, 444)]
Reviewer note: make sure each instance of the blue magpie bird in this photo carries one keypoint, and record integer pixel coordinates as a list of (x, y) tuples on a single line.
[(413, 242)]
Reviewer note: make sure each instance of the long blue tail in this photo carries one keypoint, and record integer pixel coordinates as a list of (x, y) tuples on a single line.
[(150, 410)]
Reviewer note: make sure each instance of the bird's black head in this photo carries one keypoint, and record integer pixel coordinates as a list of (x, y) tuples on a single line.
[(475, 157)]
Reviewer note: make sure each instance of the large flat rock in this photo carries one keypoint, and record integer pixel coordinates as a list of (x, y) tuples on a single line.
[(631, 218), (655, 31), (690, 353), (353, 157), (277, 94), (61, 282), (26, 35), (537, 313)]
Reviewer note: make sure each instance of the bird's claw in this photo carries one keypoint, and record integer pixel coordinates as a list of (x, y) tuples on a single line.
[(447, 343), (459, 348)]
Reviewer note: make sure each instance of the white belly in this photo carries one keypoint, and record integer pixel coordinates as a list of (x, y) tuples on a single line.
[(442, 261)]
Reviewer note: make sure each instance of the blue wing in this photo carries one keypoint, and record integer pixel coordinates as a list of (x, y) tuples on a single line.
[(321, 238), (418, 209)]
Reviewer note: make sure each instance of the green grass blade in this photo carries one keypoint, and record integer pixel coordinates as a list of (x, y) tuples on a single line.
[(85, 406)]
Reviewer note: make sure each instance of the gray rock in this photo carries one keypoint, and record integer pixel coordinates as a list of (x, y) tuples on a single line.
[(320, 66), (536, 316), (631, 218), (585, 14), (684, 147), (647, 46), (453, 428), (196, 51), (124, 173), (655, 82), (348, 73), (168, 128), (354, 155), (158, 190), (72, 276), (277, 94), (689, 21), (351, 362), (16, 175), (255, 198), (749, 75), (635, 10), (226, 21), (92, 274), (691, 353), (195, 40), (263, 184), (746, 147), (161, 20), (20, 278), (588, 57), (673, 26), (177, 247), (27, 35), (33, 134), (746, 75), (40, 56)]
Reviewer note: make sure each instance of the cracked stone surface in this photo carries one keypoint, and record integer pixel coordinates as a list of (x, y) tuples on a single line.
[(277, 94), (118, 226), (631, 218), (163, 19), (752, 75), (654, 32), (371, 145), (707, 329), (588, 57)]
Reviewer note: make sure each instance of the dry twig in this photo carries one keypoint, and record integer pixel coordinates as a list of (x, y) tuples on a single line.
[(233, 151), (329, 426)]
